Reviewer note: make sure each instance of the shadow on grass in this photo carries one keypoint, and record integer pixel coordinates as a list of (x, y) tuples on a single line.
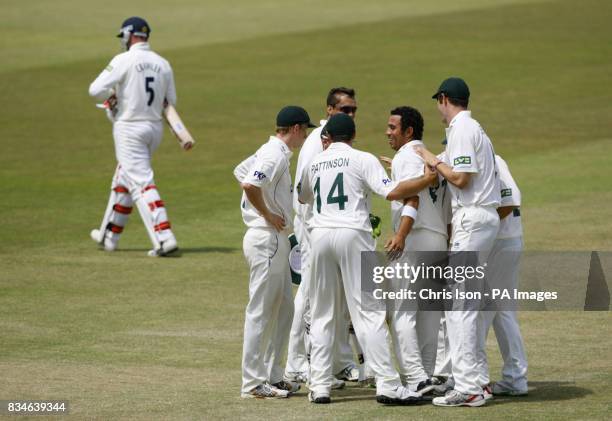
[(547, 391), (188, 250)]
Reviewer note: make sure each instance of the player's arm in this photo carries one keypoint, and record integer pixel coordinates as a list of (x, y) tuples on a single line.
[(242, 169), (457, 179), (463, 158), (509, 191), (395, 245), (103, 87), (255, 196), (408, 188), (504, 211)]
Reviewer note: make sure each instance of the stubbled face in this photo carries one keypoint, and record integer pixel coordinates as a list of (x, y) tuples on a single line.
[(346, 105), (442, 104), (397, 139)]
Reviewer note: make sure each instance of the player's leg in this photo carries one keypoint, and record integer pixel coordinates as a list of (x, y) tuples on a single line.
[(325, 293), (118, 210), (507, 331), (134, 147), (297, 360), (259, 248), (370, 326), (280, 275), (344, 363)]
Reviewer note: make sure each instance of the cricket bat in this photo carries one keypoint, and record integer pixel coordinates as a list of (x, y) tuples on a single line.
[(178, 128)]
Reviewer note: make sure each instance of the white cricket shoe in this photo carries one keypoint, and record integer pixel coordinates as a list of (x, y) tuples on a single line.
[(400, 396), (105, 242), (315, 397), (349, 374), (265, 391), (501, 389), (455, 398), (297, 377), (487, 392), (337, 384), (167, 248), (290, 387)]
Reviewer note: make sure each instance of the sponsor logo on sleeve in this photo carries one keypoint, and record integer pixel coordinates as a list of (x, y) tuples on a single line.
[(386, 181), (506, 192), (259, 175), (462, 160)]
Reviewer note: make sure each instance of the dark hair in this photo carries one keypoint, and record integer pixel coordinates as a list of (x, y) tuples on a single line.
[(335, 93), (411, 117), (463, 103)]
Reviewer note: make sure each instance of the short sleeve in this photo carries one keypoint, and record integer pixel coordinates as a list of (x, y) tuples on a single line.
[(242, 169), (375, 176), (461, 152), (409, 166), (262, 168), (510, 193)]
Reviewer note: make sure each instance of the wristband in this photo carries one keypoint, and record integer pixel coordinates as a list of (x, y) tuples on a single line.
[(409, 211)]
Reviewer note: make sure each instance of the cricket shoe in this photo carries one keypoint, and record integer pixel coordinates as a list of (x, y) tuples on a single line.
[(400, 396), (500, 389), (315, 397), (290, 387), (456, 398), (425, 388), (337, 384), (441, 389), (265, 391), (297, 377), (103, 240), (167, 248), (349, 374), (487, 392)]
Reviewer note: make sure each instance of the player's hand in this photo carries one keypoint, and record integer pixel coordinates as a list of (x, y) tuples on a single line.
[(429, 158), (395, 246), (430, 174), (278, 222), (386, 160)]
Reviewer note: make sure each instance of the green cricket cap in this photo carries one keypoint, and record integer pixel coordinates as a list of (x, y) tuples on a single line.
[(291, 115), (340, 126), (453, 87)]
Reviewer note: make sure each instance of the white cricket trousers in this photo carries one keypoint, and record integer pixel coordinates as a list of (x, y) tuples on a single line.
[(415, 333), (270, 309), (474, 229), (503, 272), (336, 267)]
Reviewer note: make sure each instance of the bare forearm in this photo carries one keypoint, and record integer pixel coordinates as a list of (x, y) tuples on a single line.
[(457, 179), (408, 188), (255, 196)]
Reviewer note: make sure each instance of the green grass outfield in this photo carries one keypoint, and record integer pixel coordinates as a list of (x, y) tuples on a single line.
[(123, 336)]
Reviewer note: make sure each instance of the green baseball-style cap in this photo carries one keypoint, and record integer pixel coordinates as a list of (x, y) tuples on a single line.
[(340, 127), (453, 87), (292, 114)]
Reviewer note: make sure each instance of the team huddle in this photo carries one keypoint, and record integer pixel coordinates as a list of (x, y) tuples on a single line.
[(463, 200)]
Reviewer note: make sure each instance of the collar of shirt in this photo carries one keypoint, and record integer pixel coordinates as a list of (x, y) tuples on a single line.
[(459, 116), (338, 146), (281, 145), (410, 144), (140, 46)]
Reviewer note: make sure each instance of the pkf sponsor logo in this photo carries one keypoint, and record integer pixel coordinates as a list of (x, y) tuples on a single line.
[(386, 181), (259, 175)]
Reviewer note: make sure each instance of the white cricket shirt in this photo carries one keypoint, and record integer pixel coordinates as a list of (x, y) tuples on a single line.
[(267, 169), (141, 79), (311, 148), (338, 182), (470, 150), (407, 165), (510, 226)]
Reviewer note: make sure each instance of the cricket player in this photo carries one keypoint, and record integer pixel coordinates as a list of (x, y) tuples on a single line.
[(338, 183), (137, 83), (474, 186), (502, 274), (339, 100), (266, 211), (419, 226)]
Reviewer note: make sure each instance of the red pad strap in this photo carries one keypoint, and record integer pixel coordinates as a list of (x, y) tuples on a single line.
[(156, 204), (151, 187), (115, 228), (122, 209), (121, 189), (162, 226)]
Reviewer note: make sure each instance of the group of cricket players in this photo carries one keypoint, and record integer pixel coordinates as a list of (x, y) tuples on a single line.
[(462, 203)]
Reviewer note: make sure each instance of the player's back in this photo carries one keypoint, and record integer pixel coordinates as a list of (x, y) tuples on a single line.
[(341, 179), (146, 82)]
